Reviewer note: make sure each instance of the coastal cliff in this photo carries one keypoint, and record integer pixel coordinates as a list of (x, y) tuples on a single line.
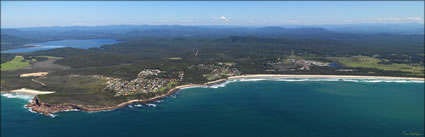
[(37, 105)]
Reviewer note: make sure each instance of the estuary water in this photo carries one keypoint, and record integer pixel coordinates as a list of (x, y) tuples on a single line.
[(82, 44), (242, 108)]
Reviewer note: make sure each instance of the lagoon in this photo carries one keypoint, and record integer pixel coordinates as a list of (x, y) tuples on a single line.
[(81, 44)]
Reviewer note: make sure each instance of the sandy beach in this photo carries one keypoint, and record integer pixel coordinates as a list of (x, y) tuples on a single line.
[(321, 76), (35, 74), (39, 106)]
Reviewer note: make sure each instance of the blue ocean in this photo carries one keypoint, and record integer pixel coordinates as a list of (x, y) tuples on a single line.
[(293, 108)]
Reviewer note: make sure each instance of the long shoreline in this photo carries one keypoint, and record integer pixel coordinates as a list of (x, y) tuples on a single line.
[(44, 108), (323, 76)]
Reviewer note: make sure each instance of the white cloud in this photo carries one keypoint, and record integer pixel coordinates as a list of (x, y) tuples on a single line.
[(292, 21), (418, 19), (393, 19), (400, 20), (223, 18)]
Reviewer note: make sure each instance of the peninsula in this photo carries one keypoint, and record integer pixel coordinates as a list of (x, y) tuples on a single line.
[(38, 106)]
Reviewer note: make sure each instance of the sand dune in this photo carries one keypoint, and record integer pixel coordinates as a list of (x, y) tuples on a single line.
[(35, 74), (31, 91)]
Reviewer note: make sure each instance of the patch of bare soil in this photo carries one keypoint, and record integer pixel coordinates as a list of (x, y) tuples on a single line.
[(35, 74)]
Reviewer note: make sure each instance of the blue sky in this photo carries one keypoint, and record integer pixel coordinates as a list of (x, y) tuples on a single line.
[(86, 13)]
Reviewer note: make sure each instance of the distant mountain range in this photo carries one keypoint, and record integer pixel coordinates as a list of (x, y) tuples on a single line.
[(346, 28), (12, 37)]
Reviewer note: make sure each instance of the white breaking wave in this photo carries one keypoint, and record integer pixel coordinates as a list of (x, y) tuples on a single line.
[(70, 110), (18, 96), (253, 79), (151, 105), (221, 84), (90, 112), (315, 79), (191, 87), (52, 115), (334, 79), (135, 105)]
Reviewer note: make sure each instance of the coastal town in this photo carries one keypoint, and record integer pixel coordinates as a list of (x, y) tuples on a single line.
[(150, 80), (293, 64), (222, 70), (146, 81)]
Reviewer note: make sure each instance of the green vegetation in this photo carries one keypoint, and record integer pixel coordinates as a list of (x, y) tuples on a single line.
[(380, 64), (6, 57), (77, 90), (383, 55), (168, 87), (17, 63), (51, 57), (211, 77)]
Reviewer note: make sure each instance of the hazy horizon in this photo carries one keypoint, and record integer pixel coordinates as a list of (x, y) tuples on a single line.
[(253, 26), (208, 13)]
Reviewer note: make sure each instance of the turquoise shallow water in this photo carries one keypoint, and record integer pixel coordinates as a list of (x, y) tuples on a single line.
[(252, 108)]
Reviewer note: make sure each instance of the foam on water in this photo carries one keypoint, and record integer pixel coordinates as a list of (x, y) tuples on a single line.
[(314, 79), (173, 96), (50, 115), (151, 105), (18, 96), (135, 105), (91, 112), (221, 84), (333, 79), (190, 87), (30, 97), (253, 79), (69, 110)]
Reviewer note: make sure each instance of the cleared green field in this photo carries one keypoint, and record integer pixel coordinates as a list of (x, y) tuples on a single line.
[(17, 63), (169, 86), (370, 62), (51, 57)]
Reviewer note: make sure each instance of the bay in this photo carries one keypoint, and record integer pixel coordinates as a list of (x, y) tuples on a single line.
[(249, 108)]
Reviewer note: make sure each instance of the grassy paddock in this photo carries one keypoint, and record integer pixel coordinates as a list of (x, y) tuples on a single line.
[(17, 63), (51, 57), (370, 62)]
